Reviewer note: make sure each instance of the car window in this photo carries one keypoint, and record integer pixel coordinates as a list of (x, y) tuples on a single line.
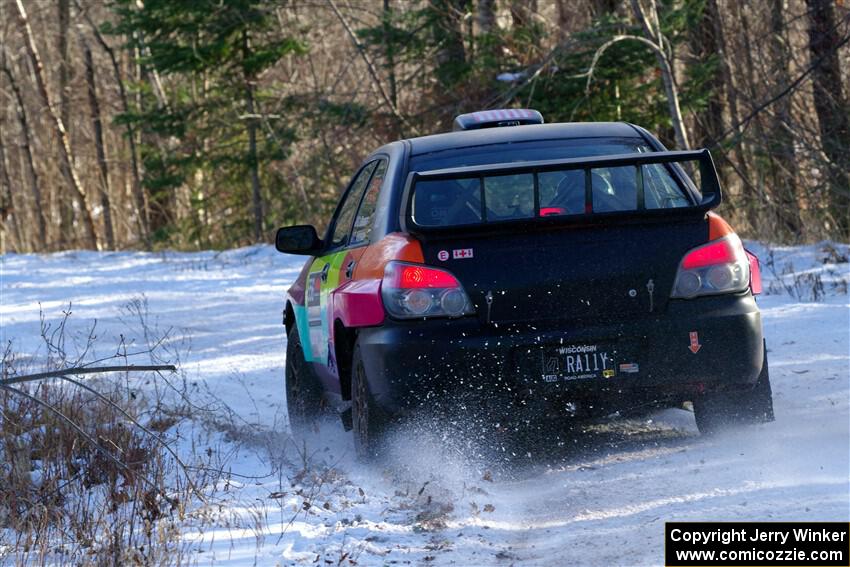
[(613, 189), (348, 206), (561, 193), (509, 197), (458, 201), (368, 206), (449, 202), (660, 190)]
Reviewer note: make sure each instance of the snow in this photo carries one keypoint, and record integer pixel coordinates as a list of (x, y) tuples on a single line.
[(601, 497)]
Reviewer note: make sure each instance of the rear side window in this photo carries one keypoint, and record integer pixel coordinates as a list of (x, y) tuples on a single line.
[(348, 207), (368, 206)]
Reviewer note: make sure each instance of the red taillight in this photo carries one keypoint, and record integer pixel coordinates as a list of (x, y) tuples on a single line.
[(718, 252), (418, 277), (415, 291), (721, 266)]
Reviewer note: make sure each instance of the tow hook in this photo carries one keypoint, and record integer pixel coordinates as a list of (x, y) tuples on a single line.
[(489, 299)]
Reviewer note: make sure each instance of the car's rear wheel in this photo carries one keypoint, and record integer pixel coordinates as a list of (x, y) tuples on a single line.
[(716, 411), (369, 422), (303, 390)]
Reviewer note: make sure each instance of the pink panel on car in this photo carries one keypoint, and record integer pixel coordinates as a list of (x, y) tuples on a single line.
[(358, 303), (755, 273)]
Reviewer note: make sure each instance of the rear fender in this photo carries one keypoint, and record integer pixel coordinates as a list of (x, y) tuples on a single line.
[(357, 302)]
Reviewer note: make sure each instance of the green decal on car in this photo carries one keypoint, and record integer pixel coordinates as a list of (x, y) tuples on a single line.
[(313, 325)]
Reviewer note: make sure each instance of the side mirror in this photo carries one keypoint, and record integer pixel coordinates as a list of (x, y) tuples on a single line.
[(299, 239)]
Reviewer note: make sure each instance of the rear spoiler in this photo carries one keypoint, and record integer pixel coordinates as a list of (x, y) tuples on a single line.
[(706, 197)]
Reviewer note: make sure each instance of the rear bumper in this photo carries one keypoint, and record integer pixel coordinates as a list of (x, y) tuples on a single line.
[(409, 363)]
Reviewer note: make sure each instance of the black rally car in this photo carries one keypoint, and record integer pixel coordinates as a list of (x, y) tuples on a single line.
[(563, 268)]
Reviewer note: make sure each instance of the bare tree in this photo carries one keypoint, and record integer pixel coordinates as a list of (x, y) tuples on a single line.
[(784, 171), (251, 124), (26, 147), (655, 40), (831, 104), (66, 209), (97, 128), (7, 202), (66, 163), (139, 197), (487, 16)]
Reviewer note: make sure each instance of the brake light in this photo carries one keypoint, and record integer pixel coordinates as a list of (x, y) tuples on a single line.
[(413, 291), (552, 211), (719, 252), (416, 277), (721, 266)]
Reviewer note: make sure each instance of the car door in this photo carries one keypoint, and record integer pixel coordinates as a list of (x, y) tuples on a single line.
[(346, 240)]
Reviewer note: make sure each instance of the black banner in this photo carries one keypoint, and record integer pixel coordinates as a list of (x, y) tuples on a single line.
[(757, 544)]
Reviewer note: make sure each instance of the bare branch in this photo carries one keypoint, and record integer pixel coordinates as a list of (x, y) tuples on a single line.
[(97, 446), (372, 71), (86, 370), (135, 422)]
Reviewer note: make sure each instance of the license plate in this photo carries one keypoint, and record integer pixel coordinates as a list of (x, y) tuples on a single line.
[(578, 362)]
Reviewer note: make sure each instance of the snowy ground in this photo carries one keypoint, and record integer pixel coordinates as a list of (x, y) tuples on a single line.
[(600, 500)]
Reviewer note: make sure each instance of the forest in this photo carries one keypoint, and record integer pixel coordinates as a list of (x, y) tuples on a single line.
[(155, 124)]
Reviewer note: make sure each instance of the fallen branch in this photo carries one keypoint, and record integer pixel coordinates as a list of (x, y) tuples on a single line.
[(86, 370)]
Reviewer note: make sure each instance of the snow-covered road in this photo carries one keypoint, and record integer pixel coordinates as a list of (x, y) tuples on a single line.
[(600, 499)]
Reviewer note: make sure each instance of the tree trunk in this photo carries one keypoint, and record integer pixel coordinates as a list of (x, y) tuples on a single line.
[(139, 197), (705, 45), (66, 210), (831, 106), (8, 210), (26, 146), (757, 199), (740, 165), (97, 127), (486, 16), (448, 34), (784, 170), (66, 164), (389, 51), (652, 30), (252, 144), (522, 12)]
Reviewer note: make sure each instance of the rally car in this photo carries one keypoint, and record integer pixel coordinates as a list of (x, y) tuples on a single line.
[(562, 268)]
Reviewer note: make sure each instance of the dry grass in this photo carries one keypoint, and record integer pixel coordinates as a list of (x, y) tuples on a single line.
[(88, 473)]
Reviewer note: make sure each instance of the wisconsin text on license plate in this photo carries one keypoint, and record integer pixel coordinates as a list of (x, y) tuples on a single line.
[(577, 362)]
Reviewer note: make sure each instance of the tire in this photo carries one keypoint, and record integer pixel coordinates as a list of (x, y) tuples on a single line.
[(721, 410), (369, 422), (303, 390)]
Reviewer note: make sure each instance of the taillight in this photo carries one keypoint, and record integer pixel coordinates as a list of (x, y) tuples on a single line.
[(721, 266), (412, 291)]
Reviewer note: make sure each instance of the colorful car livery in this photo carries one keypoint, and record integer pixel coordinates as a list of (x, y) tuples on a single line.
[(557, 268)]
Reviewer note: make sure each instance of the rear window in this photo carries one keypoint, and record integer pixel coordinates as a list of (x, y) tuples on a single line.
[(496, 198)]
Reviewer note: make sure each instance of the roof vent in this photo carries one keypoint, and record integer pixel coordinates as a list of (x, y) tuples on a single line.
[(496, 118)]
